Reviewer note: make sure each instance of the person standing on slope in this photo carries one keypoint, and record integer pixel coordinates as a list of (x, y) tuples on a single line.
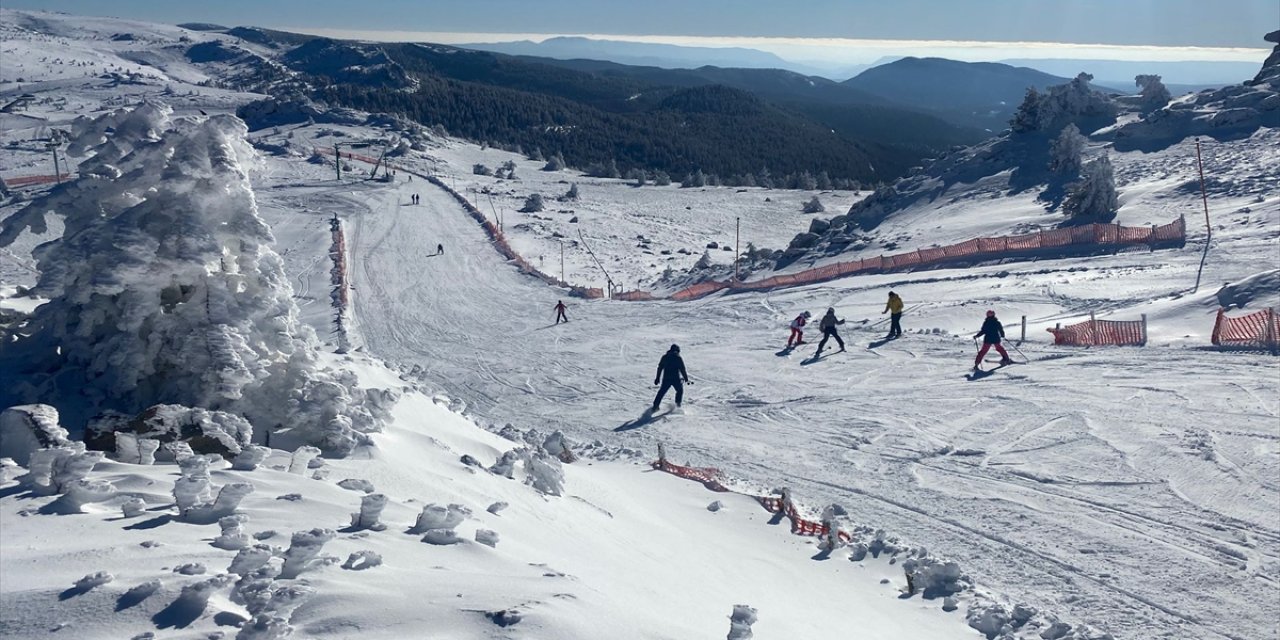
[(560, 312), (440, 249), (894, 309), (992, 332), (797, 330), (828, 327), (670, 373)]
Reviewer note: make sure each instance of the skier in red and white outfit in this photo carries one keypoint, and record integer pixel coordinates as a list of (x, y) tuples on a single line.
[(797, 330)]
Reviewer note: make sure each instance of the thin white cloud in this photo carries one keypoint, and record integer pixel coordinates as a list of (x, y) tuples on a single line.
[(846, 50)]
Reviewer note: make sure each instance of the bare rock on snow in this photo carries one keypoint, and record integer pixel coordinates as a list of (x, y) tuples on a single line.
[(353, 484), (27, 428), (740, 622), (361, 560), (487, 537), (93, 580)]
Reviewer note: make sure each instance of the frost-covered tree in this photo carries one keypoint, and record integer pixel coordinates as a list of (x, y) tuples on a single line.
[(533, 203), (1154, 93), (661, 179), (814, 206), (481, 170), (554, 163), (1061, 104), (1066, 150), (163, 288), (695, 179), (1094, 197), (571, 194)]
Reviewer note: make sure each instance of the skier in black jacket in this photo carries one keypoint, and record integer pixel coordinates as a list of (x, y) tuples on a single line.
[(670, 372), (828, 326), (992, 332)]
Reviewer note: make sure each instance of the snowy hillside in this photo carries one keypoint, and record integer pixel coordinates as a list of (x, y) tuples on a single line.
[(1124, 493)]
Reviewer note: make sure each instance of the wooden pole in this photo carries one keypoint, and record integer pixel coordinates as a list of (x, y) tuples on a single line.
[(1271, 331), (562, 262), (1024, 330), (337, 160), (737, 246), (1203, 194), (1144, 329), (57, 173)]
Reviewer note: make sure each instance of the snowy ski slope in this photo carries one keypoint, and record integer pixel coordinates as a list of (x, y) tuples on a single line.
[(1133, 489)]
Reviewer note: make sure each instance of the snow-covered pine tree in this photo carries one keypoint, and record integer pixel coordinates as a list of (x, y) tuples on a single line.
[(1094, 197), (1066, 150), (163, 288)]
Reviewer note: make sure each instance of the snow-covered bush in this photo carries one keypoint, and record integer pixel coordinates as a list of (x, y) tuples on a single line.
[(740, 622), (554, 163), (1154, 93), (132, 449), (544, 473), (570, 195), (84, 492), (814, 205), (556, 445), (303, 552), (265, 626), (233, 535), (435, 516), (27, 428), (357, 484), (1094, 197), (250, 457), (250, 559), (163, 288), (93, 580), (481, 170), (533, 203), (441, 537), (301, 459), (133, 507), (55, 470), (371, 506), (1066, 151), (506, 465), (487, 538), (361, 560)]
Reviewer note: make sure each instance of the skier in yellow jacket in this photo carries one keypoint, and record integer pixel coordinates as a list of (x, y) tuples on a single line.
[(894, 309)]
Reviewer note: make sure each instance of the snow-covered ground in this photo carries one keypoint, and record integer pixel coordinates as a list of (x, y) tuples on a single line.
[(1132, 489)]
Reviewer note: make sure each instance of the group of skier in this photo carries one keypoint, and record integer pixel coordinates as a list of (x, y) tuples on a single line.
[(671, 372), (992, 331)]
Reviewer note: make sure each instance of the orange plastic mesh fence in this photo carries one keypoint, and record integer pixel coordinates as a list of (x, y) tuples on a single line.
[(1255, 330)]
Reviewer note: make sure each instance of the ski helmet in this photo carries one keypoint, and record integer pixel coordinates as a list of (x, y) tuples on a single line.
[(991, 313), (675, 348), (831, 310), (807, 314)]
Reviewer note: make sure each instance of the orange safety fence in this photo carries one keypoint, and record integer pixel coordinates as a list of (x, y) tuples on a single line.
[(1023, 245), (710, 478), (1096, 333), (27, 181), (1257, 330)]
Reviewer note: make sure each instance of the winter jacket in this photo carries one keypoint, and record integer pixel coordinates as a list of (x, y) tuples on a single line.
[(992, 331), (829, 321), (798, 323), (671, 368), (895, 305)]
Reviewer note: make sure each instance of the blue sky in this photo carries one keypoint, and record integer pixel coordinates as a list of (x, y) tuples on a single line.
[(1202, 23)]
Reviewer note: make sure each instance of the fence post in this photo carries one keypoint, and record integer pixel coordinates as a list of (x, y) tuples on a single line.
[(1271, 331), (1144, 329), (1093, 330), (1216, 337), (1024, 330)]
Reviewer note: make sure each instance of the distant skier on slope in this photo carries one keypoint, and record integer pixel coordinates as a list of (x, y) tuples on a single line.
[(828, 327), (992, 332), (670, 372), (440, 249), (894, 309), (560, 312), (797, 330)]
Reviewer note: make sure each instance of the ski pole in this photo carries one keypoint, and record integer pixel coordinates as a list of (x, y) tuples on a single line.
[(1024, 356)]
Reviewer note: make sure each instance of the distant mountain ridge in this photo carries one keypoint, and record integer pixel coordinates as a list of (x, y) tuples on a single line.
[(980, 94), (645, 54)]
